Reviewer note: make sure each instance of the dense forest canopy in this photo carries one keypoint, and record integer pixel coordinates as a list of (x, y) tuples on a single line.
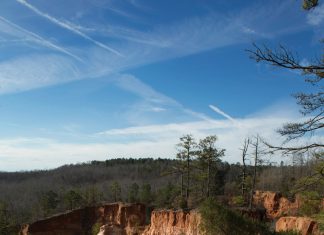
[(28, 196)]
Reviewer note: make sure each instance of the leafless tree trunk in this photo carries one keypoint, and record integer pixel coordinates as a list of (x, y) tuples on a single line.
[(188, 174), (208, 178), (182, 184), (256, 152), (244, 153)]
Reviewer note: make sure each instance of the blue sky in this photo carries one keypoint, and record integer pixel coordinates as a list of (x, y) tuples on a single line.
[(93, 79)]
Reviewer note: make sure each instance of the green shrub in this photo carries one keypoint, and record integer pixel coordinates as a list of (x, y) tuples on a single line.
[(9, 231), (217, 219), (310, 203), (95, 228), (180, 202), (238, 201), (320, 220), (166, 196)]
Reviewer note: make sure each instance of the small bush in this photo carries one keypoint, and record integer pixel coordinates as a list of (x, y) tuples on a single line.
[(180, 202), (310, 203), (238, 201), (217, 219), (95, 228), (320, 220)]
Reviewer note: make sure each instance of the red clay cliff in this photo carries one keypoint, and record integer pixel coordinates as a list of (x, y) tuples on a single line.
[(123, 217), (275, 204), (303, 225), (130, 219), (166, 222)]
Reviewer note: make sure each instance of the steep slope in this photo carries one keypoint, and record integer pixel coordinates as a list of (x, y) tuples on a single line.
[(166, 222), (275, 204), (125, 218), (130, 219), (303, 225)]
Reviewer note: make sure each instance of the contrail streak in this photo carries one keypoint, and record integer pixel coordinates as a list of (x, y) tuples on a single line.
[(68, 27), (40, 39), (217, 110)]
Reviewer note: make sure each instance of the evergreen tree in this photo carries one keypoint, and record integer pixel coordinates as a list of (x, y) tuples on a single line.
[(146, 196), (73, 199), (209, 155), (116, 191), (92, 195), (4, 215), (133, 193), (49, 201), (166, 195), (187, 150)]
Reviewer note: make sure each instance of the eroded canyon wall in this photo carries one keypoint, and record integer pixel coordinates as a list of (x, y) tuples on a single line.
[(275, 204), (180, 222), (123, 217)]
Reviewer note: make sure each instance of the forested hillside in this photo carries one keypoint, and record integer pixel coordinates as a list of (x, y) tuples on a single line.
[(28, 196)]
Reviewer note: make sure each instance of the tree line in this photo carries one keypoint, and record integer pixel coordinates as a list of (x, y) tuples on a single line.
[(29, 196)]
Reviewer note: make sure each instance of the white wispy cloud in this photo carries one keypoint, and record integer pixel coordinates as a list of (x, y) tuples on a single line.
[(139, 141), (153, 101), (119, 12), (248, 30), (36, 38), (158, 109), (132, 84), (34, 71), (179, 128), (125, 33), (316, 16), (138, 4), (99, 63), (177, 39), (116, 7), (68, 27)]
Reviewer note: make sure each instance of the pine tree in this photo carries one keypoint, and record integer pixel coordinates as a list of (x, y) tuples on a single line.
[(187, 150)]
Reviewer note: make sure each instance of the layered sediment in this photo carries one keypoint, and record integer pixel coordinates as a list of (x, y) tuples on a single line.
[(302, 225), (166, 222), (130, 219), (275, 204), (125, 218)]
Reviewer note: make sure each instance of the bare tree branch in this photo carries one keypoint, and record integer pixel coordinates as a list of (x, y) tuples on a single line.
[(311, 104)]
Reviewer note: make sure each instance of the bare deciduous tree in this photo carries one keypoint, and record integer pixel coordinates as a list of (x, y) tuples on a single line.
[(258, 155), (312, 104), (244, 173)]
